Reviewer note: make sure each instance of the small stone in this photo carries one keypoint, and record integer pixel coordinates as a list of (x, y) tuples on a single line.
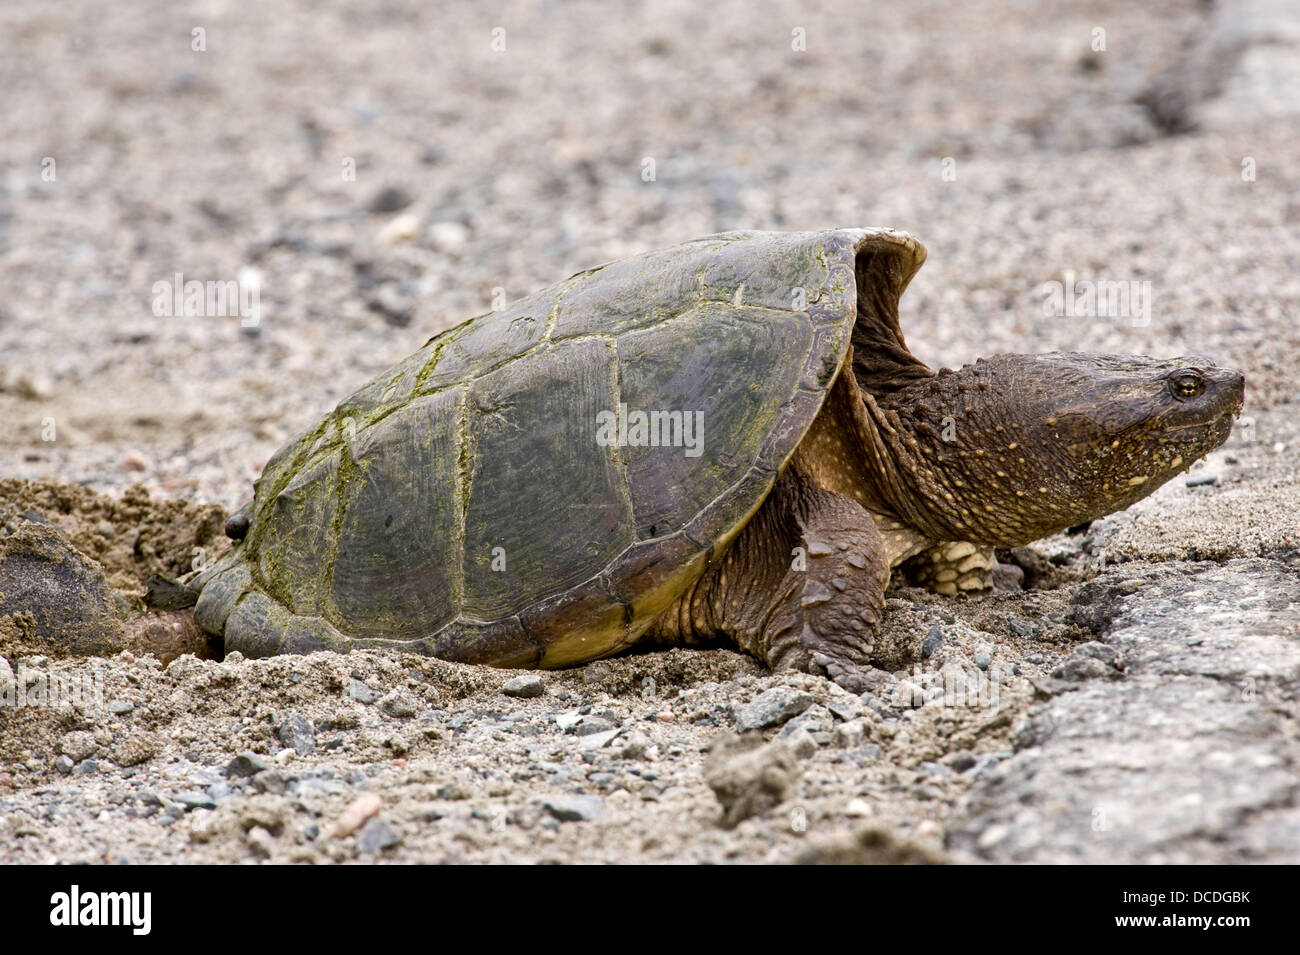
[(399, 229), (64, 765), (772, 708), (983, 659), (260, 842), (574, 808), (271, 781), (750, 777), (297, 733), (116, 707), (135, 461), (1018, 628), (526, 687), (908, 694), (390, 199), (448, 236), (848, 708), (850, 734), (194, 799), (135, 749), (356, 690), (363, 808), (636, 745), (959, 761), (78, 745), (591, 725), (932, 642), (858, 808), (802, 744), (246, 765), (376, 836), (397, 704), (1200, 480)]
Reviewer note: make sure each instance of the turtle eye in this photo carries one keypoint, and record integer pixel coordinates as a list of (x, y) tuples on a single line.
[(1187, 385)]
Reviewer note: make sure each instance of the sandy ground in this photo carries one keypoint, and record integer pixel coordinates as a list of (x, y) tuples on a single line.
[(995, 132)]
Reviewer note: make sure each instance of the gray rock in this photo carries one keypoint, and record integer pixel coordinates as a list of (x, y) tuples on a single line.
[(297, 733), (846, 708), (850, 734), (525, 687), (772, 708), (271, 781), (246, 764), (750, 777), (356, 690), (376, 836), (79, 745), (397, 704), (815, 719), (802, 744), (86, 767), (1200, 480), (591, 725), (932, 642), (1186, 760), (983, 659), (194, 799), (64, 765), (574, 808), (389, 199)]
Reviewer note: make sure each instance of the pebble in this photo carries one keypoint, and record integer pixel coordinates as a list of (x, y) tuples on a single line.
[(850, 734), (390, 199), (802, 744), (356, 690), (1018, 628), (526, 687), (932, 642), (297, 733), (246, 764), (78, 745), (64, 765), (271, 781), (983, 659), (908, 693), (772, 708), (194, 799), (397, 704), (448, 236), (363, 808), (574, 808), (858, 808), (1200, 480), (376, 836), (260, 842), (399, 229), (591, 725)]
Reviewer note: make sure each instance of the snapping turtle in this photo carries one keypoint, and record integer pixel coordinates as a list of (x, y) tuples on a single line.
[(725, 439)]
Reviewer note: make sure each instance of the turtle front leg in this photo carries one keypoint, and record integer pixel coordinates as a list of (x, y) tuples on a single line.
[(801, 588), (823, 616)]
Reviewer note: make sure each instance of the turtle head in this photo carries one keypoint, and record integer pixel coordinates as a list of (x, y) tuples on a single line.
[(1016, 447)]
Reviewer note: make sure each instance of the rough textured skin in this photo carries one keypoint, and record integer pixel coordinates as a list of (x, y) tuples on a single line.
[(461, 504)]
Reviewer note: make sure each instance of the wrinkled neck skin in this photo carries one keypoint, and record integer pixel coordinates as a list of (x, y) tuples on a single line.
[(1015, 448), (964, 470)]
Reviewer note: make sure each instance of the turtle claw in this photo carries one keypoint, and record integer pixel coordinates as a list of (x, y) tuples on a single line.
[(849, 676)]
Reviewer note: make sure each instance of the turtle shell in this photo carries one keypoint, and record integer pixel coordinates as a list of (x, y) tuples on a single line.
[(494, 498)]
